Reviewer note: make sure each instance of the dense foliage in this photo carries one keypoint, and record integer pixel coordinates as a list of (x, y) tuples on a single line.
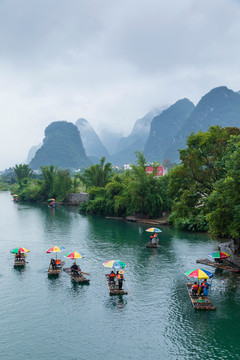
[(132, 193), (56, 183), (97, 175), (205, 186)]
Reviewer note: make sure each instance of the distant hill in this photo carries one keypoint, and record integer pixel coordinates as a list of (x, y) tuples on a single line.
[(62, 147), (125, 152), (32, 152), (220, 106), (164, 128), (91, 142)]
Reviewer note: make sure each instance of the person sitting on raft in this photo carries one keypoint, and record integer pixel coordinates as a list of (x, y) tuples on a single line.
[(151, 239), (19, 256), (194, 289), (75, 269), (200, 289), (53, 263), (112, 277)]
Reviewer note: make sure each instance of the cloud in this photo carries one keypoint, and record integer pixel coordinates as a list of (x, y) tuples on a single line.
[(109, 62)]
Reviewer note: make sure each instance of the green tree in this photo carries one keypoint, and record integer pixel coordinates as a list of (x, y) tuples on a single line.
[(23, 174), (223, 204), (48, 176), (203, 165), (97, 175), (62, 184)]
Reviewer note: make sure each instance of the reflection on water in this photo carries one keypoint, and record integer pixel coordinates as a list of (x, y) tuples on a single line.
[(54, 315), (117, 302)]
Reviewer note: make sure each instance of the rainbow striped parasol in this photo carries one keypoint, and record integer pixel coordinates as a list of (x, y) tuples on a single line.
[(199, 273)]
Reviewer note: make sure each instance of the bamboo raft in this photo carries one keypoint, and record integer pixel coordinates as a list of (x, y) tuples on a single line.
[(19, 262), (152, 245), (79, 278), (229, 267), (113, 288), (199, 302), (57, 270)]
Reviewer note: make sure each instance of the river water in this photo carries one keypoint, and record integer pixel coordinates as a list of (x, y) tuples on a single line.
[(44, 318)]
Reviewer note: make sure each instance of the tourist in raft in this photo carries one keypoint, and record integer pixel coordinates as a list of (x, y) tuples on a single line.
[(206, 289), (194, 289), (112, 277), (155, 238), (19, 256), (75, 269), (120, 278), (151, 239), (53, 263), (203, 285), (200, 289)]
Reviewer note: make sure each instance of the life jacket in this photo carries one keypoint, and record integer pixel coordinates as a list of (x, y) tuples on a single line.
[(112, 275), (195, 286), (119, 276), (203, 284)]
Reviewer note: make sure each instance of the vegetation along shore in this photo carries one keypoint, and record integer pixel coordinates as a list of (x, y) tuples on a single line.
[(201, 193)]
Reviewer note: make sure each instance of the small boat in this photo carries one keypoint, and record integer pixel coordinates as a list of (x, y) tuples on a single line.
[(15, 198), (20, 256), (76, 276), (57, 270), (152, 244), (224, 266), (114, 289), (51, 203), (199, 302)]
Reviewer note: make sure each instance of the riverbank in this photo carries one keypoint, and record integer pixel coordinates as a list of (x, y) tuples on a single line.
[(163, 221)]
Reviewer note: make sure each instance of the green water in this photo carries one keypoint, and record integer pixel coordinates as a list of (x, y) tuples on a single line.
[(44, 318)]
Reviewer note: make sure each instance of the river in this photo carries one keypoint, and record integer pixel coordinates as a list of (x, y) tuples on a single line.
[(44, 318)]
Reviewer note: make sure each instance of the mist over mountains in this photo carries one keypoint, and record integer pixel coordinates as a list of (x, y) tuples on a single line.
[(159, 134), (91, 142)]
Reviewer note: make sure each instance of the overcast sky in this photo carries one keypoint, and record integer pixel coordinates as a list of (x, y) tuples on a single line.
[(108, 61)]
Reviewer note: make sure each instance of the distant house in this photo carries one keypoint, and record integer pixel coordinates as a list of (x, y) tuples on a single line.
[(160, 170), (127, 167)]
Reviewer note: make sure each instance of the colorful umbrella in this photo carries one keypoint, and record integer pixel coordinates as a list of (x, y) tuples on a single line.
[(220, 255), (55, 249), (74, 255), (15, 195), (51, 199), (156, 230), (199, 273), (114, 264), (19, 249)]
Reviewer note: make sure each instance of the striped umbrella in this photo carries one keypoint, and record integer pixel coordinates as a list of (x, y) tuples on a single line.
[(220, 255), (154, 230), (74, 255), (114, 264), (199, 273), (55, 249), (19, 249)]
